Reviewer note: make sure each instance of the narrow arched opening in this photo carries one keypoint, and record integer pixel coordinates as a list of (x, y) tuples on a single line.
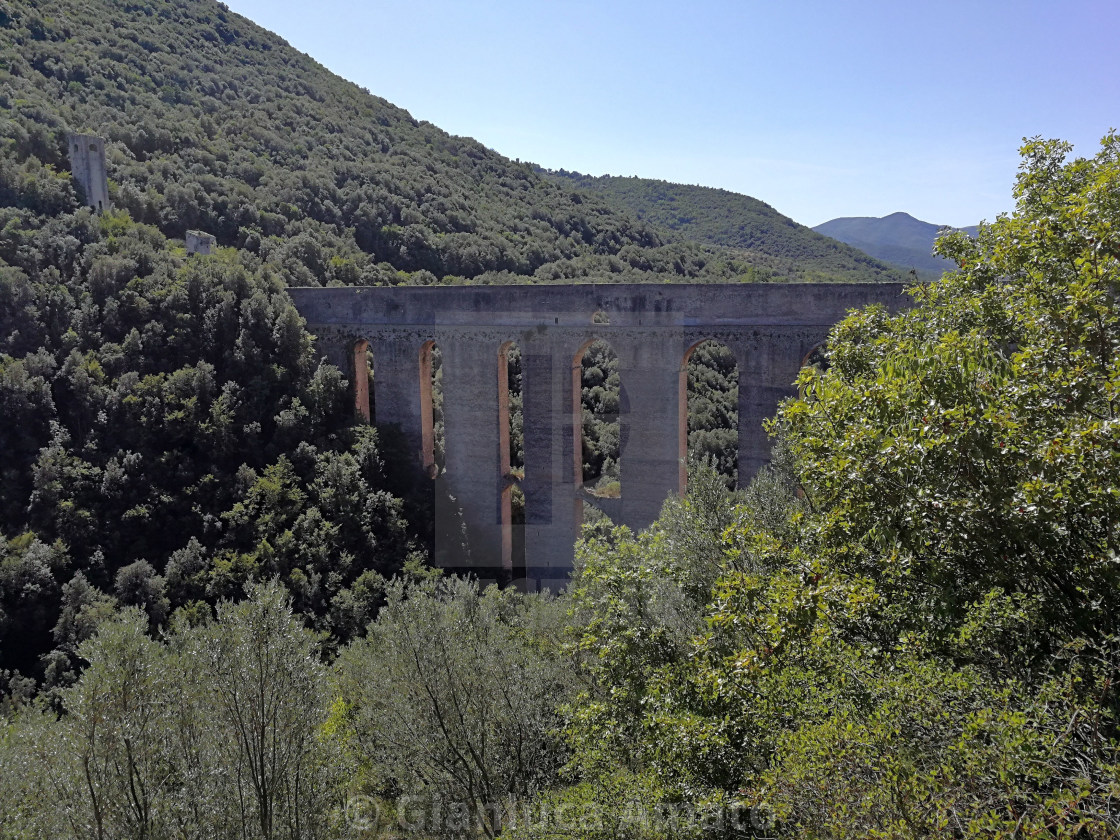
[(511, 460), (817, 358), (593, 521), (596, 396), (709, 410), (431, 409), (511, 427), (363, 379)]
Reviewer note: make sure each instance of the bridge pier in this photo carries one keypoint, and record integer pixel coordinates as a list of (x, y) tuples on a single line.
[(649, 367), (551, 504), (396, 387), (472, 504), (766, 377)]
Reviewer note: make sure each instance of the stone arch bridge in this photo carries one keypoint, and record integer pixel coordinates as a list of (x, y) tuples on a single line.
[(770, 328)]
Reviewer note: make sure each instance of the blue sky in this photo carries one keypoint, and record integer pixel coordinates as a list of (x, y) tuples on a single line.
[(821, 109)]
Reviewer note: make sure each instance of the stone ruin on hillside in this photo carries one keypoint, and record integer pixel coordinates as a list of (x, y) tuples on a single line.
[(200, 243), (87, 164)]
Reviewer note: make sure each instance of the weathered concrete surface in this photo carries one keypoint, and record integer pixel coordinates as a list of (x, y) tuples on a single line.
[(87, 165), (471, 445), (198, 242), (770, 328)]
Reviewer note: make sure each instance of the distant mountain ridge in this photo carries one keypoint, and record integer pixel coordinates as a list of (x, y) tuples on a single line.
[(899, 239), (717, 217)]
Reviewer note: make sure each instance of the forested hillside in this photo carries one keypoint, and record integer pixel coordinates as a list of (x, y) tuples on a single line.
[(906, 627), (755, 230), (168, 433), (214, 123)]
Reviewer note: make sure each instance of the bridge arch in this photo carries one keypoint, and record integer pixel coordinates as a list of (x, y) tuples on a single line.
[(709, 382), (363, 372), (817, 356), (596, 424), (511, 461), (429, 357)]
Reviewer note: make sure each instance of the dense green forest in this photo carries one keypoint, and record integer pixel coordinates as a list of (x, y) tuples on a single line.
[(215, 124), (905, 627), (144, 389), (216, 615), (751, 228), (169, 435)]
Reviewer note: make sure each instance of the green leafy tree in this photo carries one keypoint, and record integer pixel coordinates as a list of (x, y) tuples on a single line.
[(263, 692), (638, 602), (115, 730), (29, 598), (970, 444), (910, 629), (213, 732), (453, 695)]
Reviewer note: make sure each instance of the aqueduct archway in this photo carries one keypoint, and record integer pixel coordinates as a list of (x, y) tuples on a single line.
[(770, 328)]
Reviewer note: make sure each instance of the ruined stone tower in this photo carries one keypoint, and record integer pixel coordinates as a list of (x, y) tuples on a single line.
[(200, 243), (87, 163)]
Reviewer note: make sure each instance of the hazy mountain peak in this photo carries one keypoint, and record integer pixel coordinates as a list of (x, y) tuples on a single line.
[(898, 238)]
